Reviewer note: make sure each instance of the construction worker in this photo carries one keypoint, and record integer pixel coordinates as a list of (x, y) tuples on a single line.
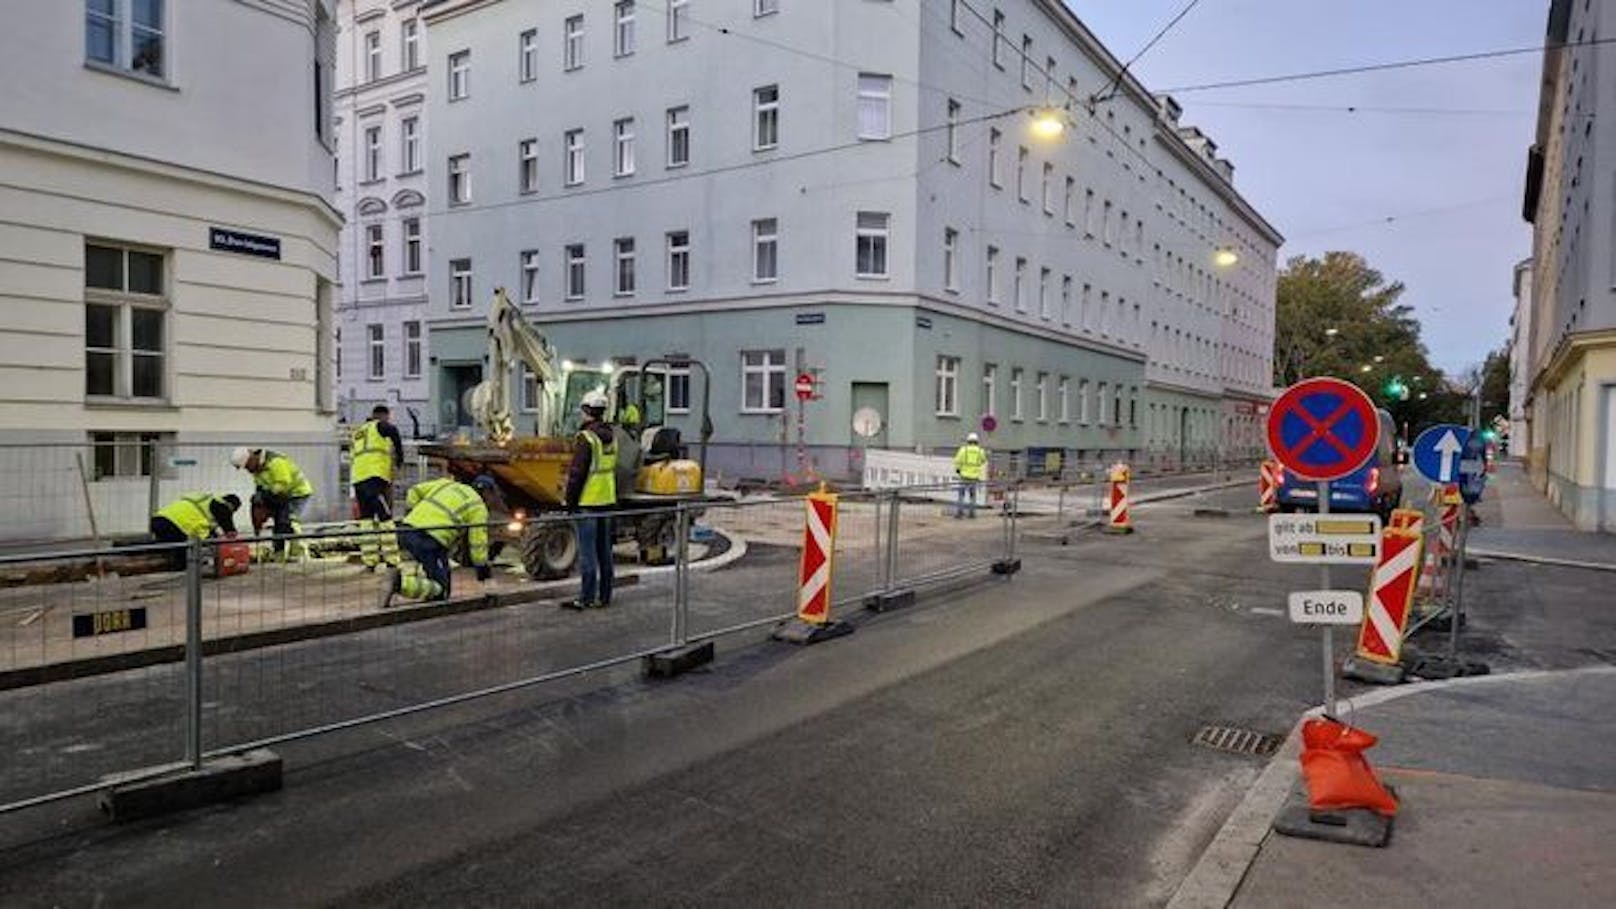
[(193, 516), (444, 515), (376, 451), (592, 492), (971, 466), (280, 491)]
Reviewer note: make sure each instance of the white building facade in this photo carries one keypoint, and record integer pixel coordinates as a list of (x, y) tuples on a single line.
[(167, 250), (856, 191), (383, 196), (1520, 362)]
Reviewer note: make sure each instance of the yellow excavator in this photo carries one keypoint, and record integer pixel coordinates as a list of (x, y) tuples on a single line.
[(654, 468)]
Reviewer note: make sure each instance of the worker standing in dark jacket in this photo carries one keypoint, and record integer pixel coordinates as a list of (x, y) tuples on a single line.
[(592, 492)]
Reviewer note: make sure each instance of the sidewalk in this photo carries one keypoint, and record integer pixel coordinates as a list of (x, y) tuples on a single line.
[(1508, 789), (1518, 522)]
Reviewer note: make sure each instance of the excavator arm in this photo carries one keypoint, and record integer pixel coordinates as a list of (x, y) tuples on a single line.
[(513, 339)]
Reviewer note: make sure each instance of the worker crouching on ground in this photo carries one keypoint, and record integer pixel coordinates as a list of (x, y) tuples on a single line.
[(193, 516), (280, 491), (376, 451), (444, 515), (592, 493), (971, 466)]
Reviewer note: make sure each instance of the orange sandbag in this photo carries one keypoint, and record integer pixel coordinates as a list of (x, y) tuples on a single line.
[(1337, 773)]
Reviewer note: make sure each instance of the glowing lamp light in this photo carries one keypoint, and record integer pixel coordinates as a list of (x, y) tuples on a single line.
[(1225, 258), (1048, 124)]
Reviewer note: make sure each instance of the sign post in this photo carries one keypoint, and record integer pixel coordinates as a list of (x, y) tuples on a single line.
[(805, 391)]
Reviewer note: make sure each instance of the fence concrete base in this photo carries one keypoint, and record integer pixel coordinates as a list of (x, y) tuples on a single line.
[(796, 631), (221, 779), (679, 660), (890, 600), (1007, 566)]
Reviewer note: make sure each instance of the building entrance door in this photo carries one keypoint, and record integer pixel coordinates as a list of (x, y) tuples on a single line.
[(454, 403)]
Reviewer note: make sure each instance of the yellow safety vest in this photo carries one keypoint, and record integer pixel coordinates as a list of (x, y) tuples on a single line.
[(372, 454), (970, 461), (191, 514), (601, 486), (436, 503), (280, 476)]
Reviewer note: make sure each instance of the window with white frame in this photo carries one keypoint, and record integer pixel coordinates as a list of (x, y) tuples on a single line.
[(623, 147), (678, 242), (1021, 173), (572, 172), (1018, 290), (1085, 313), (1083, 402), (1026, 62), (1015, 394), (765, 7), (678, 20), (1043, 293), (874, 106), (623, 34), (870, 246), (623, 249), (678, 136), (763, 381), (527, 165), (412, 246), (765, 117), (950, 265), (530, 390), (459, 179), (459, 75), (527, 55), (990, 389), (373, 153), (576, 271), (1107, 234), (1066, 300), (1116, 407), (409, 144), (572, 43), (460, 283), (954, 17), (1043, 397), (373, 56), (412, 350), (995, 178), (1099, 416), (410, 44), (125, 323), (1049, 80), (1066, 202), (128, 37), (678, 388), (947, 398), (1089, 212), (1049, 188), (953, 131), (376, 341), (993, 275), (765, 250), (1102, 316), (375, 255), (1063, 391), (125, 454), (1000, 40), (529, 263)]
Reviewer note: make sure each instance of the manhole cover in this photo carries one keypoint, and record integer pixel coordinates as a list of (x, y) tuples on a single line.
[(1237, 741)]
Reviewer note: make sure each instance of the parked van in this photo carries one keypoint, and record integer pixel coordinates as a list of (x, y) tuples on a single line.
[(1375, 487)]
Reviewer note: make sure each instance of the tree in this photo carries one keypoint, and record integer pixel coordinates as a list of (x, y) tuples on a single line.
[(1495, 386)]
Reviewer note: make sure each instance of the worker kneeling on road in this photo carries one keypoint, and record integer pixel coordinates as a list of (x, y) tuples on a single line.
[(377, 451), (592, 492), (281, 490), (444, 514), (971, 466), (193, 516)]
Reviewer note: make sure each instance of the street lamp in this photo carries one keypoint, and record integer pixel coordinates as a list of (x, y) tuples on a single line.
[(1366, 368), (1048, 123), (1331, 332), (1225, 258)]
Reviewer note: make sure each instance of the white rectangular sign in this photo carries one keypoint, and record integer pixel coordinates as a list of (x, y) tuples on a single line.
[(1326, 607), (1330, 539)]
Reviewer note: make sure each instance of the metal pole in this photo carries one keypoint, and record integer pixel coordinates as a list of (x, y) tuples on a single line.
[(193, 654), (153, 494), (681, 578), (1015, 507), (1456, 585), (1329, 636), (893, 512), (880, 554)]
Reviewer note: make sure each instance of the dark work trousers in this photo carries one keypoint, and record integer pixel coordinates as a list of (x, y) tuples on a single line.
[(165, 531), (283, 512), (594, 558), (428, 553), (374, 498)]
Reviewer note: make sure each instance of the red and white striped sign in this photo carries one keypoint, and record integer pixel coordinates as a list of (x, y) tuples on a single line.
[(1268, 480), (1391, 595), (818, 556), (1117, 520)]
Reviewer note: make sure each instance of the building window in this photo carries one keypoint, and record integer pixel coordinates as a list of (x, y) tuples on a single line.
[(373, 153), (678, 136), (1099, 415), (1066, 300), (373, 56), (871, 244), (874, 106), (459, 179), (954, 17), (530, 275), (527, 168), (953, 131), (125, 323), (1089, 212), (1049, 188), (576, 271), (1015, 394), (623, 147), (125, 454), (412, 246), (1043, 293), (527, 55), (623, 36), (1116, 408), (375, 258), (999, 39), (1018, 287), (993, 275), (412, 350), (460, 283), (1021, 173), (765, 117), (624, 249), (135, 43), (1043, 397), (763, 381), (409, 142), (460, 75), (1083, 402), (1063, 391), (995, 179), (377, 342), (1066, 202), (1049, 80), (410, 44), (950, 250), (948, 386), (1106, 234), (765, 7), (1026, 62), (990, 389), (573, 163), (572, 43), (678, 20), (679, 260), (765, 250), (678, 388), (530, 390)]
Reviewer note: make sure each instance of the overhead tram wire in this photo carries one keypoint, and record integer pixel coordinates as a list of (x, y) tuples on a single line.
[(1116, 82)]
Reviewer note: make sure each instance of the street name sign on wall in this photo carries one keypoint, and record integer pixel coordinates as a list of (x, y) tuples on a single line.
[(1346, 539), (1323, 429), (226, 240), (1437, 452), (1326, 607)]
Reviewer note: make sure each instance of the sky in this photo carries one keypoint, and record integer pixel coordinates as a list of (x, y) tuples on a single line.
[(1450, 174)]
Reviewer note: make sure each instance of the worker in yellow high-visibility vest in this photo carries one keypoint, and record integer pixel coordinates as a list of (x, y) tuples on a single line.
[(445, 516), (971, 466), (193, 516), (376, 450), (592, 493), (279, 494)]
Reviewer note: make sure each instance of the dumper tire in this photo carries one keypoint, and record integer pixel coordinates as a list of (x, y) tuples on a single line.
[(549, 550)]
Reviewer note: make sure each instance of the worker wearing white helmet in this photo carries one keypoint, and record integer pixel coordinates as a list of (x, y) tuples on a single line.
[(592, 492), (971, 466), (280, 490)]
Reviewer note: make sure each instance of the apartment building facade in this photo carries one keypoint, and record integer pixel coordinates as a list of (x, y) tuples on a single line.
[(167, 259), (1571, 204), (382, 192), (1520, 362), (860, 191)]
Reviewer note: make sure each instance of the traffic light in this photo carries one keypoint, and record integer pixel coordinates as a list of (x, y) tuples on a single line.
[(1396, 389), (1489, 435)]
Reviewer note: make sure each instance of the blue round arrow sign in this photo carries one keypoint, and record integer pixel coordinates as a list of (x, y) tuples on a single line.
[(1439, 450)]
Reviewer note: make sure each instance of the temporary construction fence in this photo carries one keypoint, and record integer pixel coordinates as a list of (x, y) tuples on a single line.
[(107, 676)]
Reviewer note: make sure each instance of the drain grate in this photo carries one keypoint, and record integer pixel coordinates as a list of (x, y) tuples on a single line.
[(1237, 741)]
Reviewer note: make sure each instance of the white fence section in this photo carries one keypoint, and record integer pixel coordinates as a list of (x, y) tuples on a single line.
[(890, 469)]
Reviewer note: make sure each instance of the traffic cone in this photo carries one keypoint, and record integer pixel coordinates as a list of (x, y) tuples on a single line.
[(1269, 476), (1117, 519)]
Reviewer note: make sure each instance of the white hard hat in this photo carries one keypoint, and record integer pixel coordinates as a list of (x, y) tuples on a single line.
[(238, 458), (970, 437), (594, 400)]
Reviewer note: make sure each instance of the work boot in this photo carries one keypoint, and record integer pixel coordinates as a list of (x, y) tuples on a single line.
[(575, 605), (388, 589)]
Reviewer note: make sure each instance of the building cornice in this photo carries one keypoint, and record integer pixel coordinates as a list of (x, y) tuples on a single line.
[(1571, 347), (385, 81), (434, 11)]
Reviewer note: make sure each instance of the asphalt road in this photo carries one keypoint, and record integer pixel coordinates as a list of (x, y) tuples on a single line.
[(1022, 741)]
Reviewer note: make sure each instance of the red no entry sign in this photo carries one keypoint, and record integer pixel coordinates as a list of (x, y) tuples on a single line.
[(1323, 429), (805, 386)]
